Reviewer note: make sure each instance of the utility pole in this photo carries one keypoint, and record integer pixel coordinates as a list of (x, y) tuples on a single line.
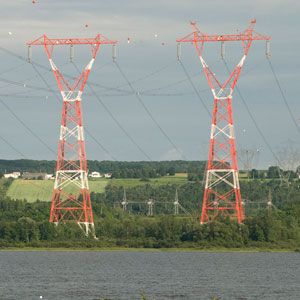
[(71, 196), (124, 201), (270, 200), (150, 204), (176, 204), (248, 157), (222, 194)]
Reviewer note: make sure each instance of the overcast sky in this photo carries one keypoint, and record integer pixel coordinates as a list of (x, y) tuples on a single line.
[(149, 62)]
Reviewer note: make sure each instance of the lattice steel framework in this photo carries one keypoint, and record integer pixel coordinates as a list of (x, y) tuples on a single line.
[(222, 194), (71, 196)]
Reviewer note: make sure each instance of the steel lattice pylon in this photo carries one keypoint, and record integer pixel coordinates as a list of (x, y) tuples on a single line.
[(222, 190), (71, 196)]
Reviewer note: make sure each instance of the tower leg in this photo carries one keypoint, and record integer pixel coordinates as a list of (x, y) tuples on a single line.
[(222, 196), (71, 197)]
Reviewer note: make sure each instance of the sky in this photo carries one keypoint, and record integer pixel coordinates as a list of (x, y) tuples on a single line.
[(117, 118)]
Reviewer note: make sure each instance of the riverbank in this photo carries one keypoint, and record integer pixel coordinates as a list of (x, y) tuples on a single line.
[(116, 249)]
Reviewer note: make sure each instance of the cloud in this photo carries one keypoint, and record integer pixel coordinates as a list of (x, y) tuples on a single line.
[(141, 20)]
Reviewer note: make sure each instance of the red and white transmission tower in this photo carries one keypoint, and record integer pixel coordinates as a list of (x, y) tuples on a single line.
[(71, 195), (222, 194)]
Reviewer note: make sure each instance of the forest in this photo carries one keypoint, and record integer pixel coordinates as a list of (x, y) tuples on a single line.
[(119, 169), (140, 169), (275, 226)]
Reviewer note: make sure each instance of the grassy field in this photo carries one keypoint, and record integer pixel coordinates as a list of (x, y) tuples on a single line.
[(31, 190)]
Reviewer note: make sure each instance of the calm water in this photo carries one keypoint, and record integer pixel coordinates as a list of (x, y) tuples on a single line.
[(160, 275)]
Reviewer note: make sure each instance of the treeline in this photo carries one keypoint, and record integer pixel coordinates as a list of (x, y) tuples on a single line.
[(28, 226), (274, 172), (256, 194), (142, 169), (23, 165), (119, 169)]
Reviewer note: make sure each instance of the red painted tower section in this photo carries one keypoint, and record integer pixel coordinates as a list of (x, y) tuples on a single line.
[(71, 196), (222, 195)]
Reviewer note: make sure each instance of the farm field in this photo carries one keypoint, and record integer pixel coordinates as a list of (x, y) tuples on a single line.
[(31, 190)]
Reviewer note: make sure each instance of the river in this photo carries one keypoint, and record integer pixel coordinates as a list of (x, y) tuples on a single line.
[(60, 275)]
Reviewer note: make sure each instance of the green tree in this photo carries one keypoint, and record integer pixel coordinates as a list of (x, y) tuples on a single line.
[(28, 230)]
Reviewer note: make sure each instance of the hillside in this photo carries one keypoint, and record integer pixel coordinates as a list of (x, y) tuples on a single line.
[(33, 190)]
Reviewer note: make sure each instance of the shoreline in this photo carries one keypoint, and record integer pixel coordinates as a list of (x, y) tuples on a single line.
[(124, 249)]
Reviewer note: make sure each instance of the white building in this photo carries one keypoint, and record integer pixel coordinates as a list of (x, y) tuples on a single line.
[(13, 175), (95, 175), (107, 175), (49, 176)]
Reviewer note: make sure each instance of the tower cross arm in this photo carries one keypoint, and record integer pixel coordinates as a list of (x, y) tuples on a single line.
[(196, 37), (248, 35), (97, 40)]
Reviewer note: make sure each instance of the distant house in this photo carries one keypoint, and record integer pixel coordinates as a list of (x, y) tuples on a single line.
[(107, 175), (13, 175), (29, 175), (95, 175), (49, 176)]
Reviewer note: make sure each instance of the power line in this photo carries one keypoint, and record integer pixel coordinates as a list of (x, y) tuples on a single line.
[(12, 68), (125, 92), (253, 119), (137, 80), (11, 146), (22, 155), (140, 100), (37, 88), (148, 111), (176, 83), (53, 92), (20, 57), (110, 88), (204, 105), (30, 130), (283, 95), (147, 75), (115, 119), (26, 126), (117, 88), (118, 123), (167, 94), (23, 84), (194, 87)]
